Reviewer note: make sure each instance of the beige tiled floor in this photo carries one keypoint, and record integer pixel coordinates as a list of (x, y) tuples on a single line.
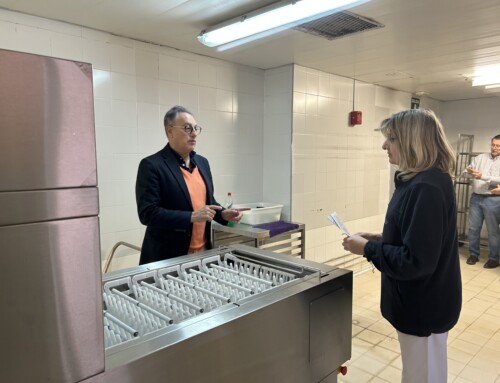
[(473, 345)]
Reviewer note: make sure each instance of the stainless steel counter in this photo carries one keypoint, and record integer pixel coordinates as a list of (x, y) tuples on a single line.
[(291, 242)]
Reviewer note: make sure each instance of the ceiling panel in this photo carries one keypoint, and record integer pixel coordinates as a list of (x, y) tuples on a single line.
[(426, 45)]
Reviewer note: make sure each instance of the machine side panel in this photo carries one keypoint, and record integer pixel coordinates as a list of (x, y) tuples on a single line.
[(52, 305), (329, 349)]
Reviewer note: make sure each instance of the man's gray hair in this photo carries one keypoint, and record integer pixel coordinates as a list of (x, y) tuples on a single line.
[(173, 113)]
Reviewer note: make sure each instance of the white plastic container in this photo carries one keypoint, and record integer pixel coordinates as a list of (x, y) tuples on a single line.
[(260, 212)]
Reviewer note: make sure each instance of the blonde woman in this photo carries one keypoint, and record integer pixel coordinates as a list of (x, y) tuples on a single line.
[(417, 252)]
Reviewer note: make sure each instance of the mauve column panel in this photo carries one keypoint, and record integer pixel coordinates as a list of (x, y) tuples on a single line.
[(47, 136)]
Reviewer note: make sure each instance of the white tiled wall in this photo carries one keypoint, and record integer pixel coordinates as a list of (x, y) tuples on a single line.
[(134, 84), (478, 117), (337, 167), (278, 137)]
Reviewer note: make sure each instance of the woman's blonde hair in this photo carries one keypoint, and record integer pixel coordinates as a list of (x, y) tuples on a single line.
[(422, 143)]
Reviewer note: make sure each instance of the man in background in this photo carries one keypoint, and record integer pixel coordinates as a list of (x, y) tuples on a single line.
[(485, 203), (175, 194)]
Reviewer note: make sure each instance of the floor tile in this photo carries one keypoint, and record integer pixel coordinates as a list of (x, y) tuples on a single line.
[(379, 380), (398, 363), (494, 344), (382, 327), (477, 375), (463, 380), (455, 367), (459, 355), (356, 329), (390, 343), (370, 365), (382, 355), (390, 374), (360, 345), (371, 336), (473, 338), (486, 366), (467, 347)]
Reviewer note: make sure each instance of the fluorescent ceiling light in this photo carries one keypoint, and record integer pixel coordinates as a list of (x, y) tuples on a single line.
[(487, 75), (486, 80), (281, 15), (492, 89)]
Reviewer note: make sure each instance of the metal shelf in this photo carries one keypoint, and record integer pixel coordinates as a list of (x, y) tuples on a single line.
[(291, 242), (462, 186)]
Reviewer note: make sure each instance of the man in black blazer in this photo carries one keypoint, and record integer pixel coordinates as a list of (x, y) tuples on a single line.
[(175, 194)]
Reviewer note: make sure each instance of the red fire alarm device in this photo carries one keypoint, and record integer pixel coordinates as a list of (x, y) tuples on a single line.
[(356, 117)]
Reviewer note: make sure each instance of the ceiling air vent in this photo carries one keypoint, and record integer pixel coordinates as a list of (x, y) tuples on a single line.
[(338, 25)]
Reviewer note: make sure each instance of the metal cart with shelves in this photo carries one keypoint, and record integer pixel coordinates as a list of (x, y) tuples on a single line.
[(464, 154), (291, 242), (462, 184)]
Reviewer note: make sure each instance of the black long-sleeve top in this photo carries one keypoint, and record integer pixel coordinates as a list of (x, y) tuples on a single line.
[(418, 256)]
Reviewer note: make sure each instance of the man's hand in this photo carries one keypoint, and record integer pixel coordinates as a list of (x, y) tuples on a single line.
[(474, 173), (205, 214), (496, 190), (233, 215)]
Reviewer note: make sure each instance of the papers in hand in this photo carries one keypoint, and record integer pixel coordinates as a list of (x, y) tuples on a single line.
[(335, 219)]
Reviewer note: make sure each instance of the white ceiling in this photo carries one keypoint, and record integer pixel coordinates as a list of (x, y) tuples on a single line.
[(430, 46)]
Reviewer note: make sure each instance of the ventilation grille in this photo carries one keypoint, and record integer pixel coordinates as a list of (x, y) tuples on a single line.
[(338, 25)]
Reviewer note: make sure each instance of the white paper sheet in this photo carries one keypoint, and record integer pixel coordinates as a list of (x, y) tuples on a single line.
[(335, 219)]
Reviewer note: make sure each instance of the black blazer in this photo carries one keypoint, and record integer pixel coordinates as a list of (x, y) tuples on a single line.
[(165, 207)]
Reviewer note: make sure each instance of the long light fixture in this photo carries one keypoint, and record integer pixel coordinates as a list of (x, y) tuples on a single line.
[(486, 80), (486, 75), (492, 88), (271, 19)]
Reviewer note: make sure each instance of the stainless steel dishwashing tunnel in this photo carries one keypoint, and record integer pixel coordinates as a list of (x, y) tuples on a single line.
[(235, 314), (251, 315)]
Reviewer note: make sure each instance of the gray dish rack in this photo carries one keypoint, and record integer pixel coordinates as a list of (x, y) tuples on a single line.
[(150, 301)]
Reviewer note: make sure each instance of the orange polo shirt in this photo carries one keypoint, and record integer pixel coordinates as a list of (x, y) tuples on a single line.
[(198, 194)]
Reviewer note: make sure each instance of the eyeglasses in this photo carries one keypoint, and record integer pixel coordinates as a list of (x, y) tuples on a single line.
[(189, 128), (494, 146)]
